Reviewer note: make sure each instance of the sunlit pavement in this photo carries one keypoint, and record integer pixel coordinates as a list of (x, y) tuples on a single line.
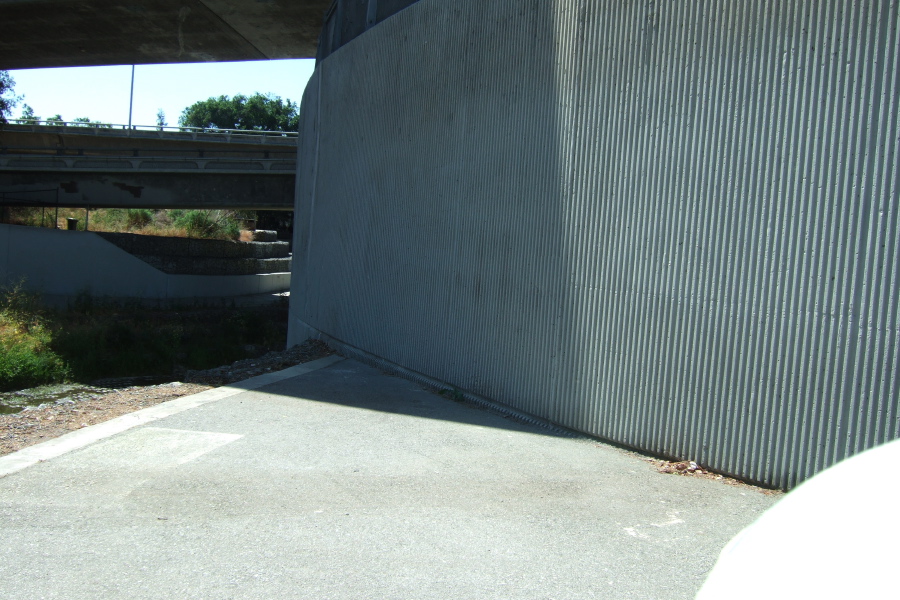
[(338, 481)]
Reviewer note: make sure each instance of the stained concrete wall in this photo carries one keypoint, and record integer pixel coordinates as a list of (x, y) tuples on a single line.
[(60, 263), (98, 187), (669, 224)]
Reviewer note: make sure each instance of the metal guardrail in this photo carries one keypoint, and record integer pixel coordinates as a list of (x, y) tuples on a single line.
[(151, 131)]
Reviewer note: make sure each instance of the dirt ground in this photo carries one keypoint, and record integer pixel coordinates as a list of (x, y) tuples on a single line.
[(688, 468), (40, 424)]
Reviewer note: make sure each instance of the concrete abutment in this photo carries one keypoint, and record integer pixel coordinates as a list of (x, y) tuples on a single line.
[(673, 226)]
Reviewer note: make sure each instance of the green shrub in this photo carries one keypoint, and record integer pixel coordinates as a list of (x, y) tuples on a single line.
[(197, 223), (105, 345), (120, 342), (93, 340), (231, 229), (19, 215), (109, 219), (207, 224), (26, 359), (138, 218)]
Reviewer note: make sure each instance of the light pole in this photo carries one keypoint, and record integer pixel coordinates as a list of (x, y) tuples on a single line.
[(131, 98)]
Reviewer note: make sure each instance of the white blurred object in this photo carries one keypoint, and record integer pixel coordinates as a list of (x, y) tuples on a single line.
[(837, 535)]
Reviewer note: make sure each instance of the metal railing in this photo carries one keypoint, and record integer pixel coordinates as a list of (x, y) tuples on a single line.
[(118, 129), (184, 152)]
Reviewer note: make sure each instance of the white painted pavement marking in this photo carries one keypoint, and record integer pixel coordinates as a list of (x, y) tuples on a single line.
[(32, 455)]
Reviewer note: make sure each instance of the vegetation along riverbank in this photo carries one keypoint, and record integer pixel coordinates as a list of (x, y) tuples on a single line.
[(90, 341)]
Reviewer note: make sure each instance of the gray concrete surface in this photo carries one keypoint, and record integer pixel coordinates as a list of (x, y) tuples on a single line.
[(57, 263), (343, 482)]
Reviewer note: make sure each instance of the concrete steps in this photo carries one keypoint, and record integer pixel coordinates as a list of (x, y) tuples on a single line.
[(189, 256), (191, 265)]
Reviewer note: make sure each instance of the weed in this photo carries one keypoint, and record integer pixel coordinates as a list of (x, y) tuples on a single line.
[(211, 224), (26, 358), (93, 340), (208, 224), (138, 218), (453, 394), (102, 341)]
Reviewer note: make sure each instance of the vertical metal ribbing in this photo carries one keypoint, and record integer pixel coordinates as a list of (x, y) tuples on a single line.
[(705, 206), (886, 191), (772, 274), (711, 233), (889, 425), (867, 92), (673, 225), (837, 187), (794, 311)]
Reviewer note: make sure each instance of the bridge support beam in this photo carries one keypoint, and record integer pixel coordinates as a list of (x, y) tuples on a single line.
[(235, 191)]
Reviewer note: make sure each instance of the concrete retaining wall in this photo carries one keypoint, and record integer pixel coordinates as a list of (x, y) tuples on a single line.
[(66, 263), (187, 256), (669, 224)]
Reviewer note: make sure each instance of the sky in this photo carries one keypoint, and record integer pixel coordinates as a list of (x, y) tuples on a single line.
[(102, 93)]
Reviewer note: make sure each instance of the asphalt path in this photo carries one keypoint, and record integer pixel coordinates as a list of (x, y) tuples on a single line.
[(335, 480)]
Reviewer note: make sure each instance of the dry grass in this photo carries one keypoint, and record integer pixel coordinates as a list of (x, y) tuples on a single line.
[(165, 223)]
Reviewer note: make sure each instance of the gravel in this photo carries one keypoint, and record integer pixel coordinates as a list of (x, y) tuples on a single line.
[(38, 424)]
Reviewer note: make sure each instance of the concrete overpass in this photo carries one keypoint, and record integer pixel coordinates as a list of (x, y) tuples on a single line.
[(66, 33), (120, 167), (62, 33)]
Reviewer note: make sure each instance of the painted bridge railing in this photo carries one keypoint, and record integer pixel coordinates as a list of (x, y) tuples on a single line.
[(154, 131)]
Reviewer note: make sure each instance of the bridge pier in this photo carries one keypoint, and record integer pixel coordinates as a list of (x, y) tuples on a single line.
[(664, 224)]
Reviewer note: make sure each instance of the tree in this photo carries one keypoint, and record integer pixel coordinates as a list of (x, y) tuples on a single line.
[(86, 122), (8, 100), (27, 117), (161, 119), (258, 112)]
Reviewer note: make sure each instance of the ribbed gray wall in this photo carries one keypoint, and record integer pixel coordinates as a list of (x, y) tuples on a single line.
[(669, 224)]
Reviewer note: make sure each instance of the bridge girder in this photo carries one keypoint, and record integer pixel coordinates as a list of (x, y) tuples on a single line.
[(63, 33)]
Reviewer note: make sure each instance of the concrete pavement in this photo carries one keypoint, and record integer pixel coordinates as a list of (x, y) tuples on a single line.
[(335, 480)]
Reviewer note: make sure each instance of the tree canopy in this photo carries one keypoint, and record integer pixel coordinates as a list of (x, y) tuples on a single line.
[(8, 100), (259, 112)]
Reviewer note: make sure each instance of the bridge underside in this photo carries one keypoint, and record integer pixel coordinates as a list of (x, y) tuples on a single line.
[(62, 33)]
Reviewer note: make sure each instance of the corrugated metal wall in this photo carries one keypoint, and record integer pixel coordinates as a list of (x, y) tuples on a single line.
[(669, 224)]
